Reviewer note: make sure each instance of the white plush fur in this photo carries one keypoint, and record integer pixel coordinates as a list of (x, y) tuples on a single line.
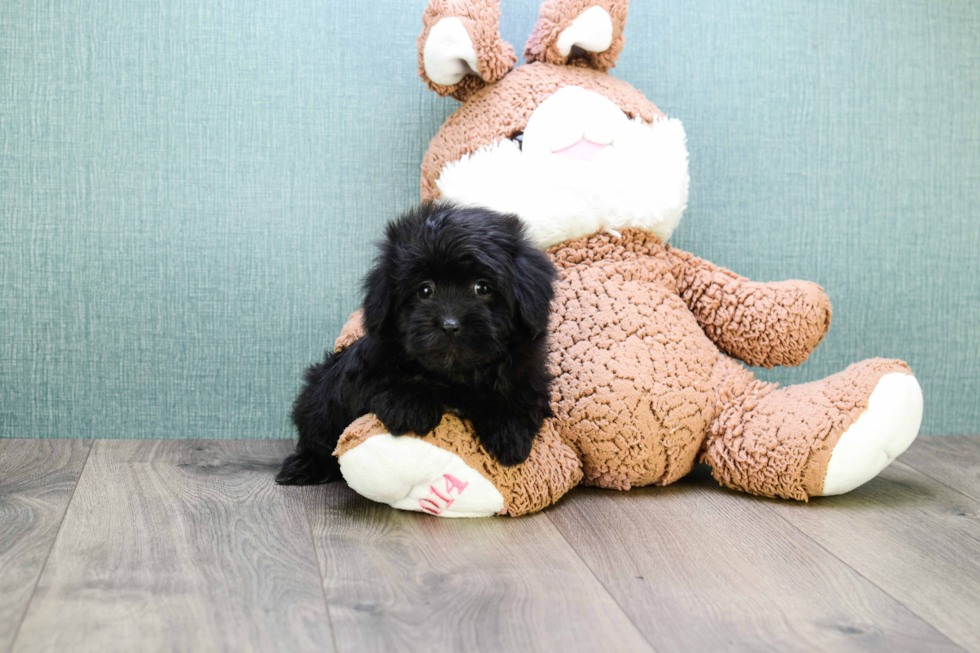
[(448, 55), (410, 474), (592, 30), (640, 180), (882, 432)]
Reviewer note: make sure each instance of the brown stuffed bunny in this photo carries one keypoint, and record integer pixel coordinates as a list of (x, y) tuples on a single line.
[(644, 337)]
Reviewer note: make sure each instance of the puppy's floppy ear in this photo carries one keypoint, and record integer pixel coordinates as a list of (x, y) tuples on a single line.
[(534, 276), (378, 297)]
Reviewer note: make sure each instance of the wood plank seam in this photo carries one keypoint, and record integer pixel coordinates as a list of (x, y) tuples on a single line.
[(601, 584), (924, 619), (180, 545), (54, 540), (970, 498), (319, 568)]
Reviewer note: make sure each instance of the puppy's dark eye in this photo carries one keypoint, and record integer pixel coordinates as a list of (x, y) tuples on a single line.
[(426, 290), (482, 289)]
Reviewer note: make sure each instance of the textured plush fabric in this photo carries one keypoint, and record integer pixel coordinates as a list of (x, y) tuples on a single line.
[(556, 16), (777, 442), (632, 364), (479, 122), (481, 19), (638, 330), (763, 324), (353, 329), (550, 471), (642, 392), (189, 191)]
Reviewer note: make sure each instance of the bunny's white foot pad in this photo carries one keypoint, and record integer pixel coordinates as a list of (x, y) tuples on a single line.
[(408, 473), (882, 432)]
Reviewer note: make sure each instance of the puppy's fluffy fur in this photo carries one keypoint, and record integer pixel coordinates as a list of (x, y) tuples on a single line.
[(455, 311)]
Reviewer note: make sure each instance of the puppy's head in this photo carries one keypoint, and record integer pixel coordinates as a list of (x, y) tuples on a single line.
[(458, 287)]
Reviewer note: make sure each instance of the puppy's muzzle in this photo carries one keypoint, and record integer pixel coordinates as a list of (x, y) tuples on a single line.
[(450, 326)]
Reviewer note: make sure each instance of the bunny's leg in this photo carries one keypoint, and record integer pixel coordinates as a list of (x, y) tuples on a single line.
[(448, 473), (813, 439)]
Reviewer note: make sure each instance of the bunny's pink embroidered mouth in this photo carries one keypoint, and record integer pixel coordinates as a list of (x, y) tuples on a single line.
[(583, 150)]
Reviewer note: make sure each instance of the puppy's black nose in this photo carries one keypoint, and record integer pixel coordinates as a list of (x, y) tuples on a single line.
[(450, 326)]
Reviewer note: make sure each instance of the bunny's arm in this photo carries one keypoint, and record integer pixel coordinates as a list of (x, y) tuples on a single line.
[(352, 331), (762, 324)]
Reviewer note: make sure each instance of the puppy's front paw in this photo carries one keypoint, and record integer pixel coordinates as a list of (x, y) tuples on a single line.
[(305, 468), (407, 411), (508, 439)]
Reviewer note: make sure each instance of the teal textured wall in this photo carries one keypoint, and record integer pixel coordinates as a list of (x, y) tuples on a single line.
[(189, 189)]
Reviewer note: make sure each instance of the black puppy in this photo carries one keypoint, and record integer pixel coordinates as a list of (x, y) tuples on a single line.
[(455, 310)]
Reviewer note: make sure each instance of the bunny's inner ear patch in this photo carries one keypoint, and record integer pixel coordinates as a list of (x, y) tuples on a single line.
[(449, 55), (578, 32), (460, 49), (592, 31)]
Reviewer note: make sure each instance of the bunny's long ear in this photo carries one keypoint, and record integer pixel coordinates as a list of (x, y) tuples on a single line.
[(460, 49), (588, 32)]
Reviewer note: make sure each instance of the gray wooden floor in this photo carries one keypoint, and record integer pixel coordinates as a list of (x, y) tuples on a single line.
[(122, 545)]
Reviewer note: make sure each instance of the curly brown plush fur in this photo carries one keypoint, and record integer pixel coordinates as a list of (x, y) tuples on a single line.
[(645, 339)]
